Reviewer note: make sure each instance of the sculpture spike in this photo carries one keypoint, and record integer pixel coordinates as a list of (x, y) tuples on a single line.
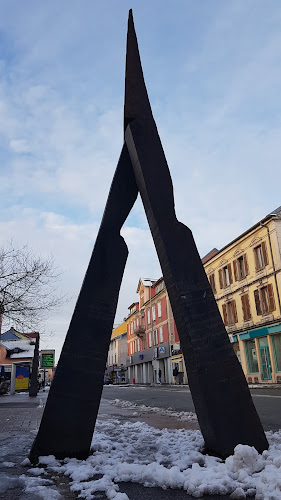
[(136, 97)]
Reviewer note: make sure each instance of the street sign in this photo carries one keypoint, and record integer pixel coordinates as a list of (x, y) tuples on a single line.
[(47, 360), (161, 350)]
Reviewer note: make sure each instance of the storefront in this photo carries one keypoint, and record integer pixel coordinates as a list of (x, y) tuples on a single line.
[(260, 353)]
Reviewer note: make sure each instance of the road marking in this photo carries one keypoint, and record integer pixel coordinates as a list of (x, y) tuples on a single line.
[(265, 396)]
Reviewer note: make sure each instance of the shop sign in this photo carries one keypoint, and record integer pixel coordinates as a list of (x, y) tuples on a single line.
[(162, 350), (47, 360)]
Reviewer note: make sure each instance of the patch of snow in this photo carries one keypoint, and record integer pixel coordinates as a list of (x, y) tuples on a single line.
[(26, 462), (136, 452), (184, 416), (42, 487), (8, 464)]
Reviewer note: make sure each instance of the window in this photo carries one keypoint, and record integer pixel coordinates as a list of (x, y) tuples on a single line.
[(153, 313), (261, 258), (276, 340), (148, 316), (159, 309), (150, 339), (225, 276), (229, 313), (155, 337), (161, 334), (246, 307), (160, 287), (115, 358), (251, 354), (138, 344), (264, 299), (212, 282), (240, 267), (141, 298)]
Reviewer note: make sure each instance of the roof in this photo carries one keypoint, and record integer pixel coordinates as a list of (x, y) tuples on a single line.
[(121, 329), (13, 335), (25, 348), (210, 255), (273, 213), (145, 282), (132, 305)]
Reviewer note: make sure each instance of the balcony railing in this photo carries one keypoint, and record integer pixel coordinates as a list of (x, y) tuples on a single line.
[(139, 331)]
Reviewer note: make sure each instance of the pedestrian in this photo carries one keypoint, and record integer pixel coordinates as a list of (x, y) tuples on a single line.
[(175, 374), (159, 376)]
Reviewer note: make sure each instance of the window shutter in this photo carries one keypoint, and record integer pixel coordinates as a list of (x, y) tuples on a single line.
[(220, 278), (248, 308), (212, 283), (246, 265), (234, 311), (271, 298), (230, 273), (224, 314), (256, 259), (264, 252), (244, 307), (257, 301), (235, 270)]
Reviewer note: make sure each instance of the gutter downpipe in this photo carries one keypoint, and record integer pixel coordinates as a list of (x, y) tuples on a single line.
[(273, 265)]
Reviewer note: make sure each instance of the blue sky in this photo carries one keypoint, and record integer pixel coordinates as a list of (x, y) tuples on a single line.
[(213, 74)]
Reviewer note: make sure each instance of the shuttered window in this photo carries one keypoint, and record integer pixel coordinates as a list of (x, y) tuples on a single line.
[(225, 276), (246, 307), (240, 267), (159, 309), (153, 313), (264, 299), (229, 313), (212, 282), (261, 257)]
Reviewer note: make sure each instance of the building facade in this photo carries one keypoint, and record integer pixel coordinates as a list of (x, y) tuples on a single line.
[(116, 368), (152, 336), (246, 280)]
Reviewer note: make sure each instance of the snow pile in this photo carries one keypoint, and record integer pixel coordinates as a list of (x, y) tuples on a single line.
[(167, 458), (184, 416)]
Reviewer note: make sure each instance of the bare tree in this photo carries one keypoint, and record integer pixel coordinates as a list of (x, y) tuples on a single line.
[(27, 287)]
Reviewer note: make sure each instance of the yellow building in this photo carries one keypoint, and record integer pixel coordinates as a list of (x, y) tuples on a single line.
[(246, 280)]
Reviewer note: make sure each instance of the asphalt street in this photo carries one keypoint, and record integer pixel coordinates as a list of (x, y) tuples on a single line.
[(267, 400)]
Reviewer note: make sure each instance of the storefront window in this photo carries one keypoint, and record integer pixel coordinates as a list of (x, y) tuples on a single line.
[(252, 356), (277, 350)]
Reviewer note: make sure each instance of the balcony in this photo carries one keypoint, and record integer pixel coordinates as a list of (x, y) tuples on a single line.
[(139, 331)]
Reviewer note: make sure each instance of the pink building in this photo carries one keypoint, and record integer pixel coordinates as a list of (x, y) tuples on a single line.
[(151, 334)]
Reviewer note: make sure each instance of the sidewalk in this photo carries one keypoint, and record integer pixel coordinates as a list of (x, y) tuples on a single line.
[(137, 451)]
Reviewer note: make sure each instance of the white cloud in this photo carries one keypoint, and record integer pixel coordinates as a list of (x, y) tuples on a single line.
[(213, 78)]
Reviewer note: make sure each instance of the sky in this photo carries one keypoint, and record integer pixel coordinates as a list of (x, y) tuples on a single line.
[(213, 75)]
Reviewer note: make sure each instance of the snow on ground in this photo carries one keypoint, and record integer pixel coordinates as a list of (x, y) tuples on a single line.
[(167, 458), (169, 412), (126, 451)]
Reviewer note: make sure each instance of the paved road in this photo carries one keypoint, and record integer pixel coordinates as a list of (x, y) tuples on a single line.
[(266, 400)]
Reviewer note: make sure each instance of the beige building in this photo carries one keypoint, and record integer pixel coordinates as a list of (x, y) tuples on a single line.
[(246, 280), (117, 355)]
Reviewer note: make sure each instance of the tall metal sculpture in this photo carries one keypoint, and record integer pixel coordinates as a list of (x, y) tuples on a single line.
[(221, 397)]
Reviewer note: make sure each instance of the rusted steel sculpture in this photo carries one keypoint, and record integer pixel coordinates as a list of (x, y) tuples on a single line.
[(221, 397)]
